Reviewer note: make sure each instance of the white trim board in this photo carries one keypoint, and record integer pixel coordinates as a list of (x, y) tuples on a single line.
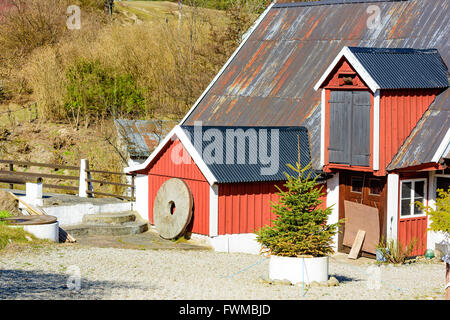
[(442, 147), (354, 62), (322, 128), (214, 210), (186, 142), (376, 130)]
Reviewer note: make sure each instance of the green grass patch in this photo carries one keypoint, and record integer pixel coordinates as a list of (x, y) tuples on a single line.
[(14, 235)]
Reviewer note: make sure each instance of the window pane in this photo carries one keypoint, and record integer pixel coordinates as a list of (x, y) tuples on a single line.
[(375, 186), (443, 183), (419, 189), (357, 184), (417, 209), (406, 190), (406, 208)]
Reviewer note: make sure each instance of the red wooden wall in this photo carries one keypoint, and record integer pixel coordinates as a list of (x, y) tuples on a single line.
[(163, 168), (245, 207), (400, 110)]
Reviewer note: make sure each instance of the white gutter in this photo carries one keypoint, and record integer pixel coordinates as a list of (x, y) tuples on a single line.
[(442, 147)]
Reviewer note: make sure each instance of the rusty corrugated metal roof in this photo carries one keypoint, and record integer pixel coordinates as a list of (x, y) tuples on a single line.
[(270, 80), (141, 137)]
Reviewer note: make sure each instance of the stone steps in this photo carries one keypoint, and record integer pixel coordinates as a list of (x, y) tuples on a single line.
[(113, 224)]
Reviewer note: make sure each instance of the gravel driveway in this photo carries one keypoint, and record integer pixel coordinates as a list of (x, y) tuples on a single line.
[(112, 273)]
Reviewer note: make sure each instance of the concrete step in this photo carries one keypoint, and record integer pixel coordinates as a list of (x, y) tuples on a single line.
[(112, 218), (126, 228)]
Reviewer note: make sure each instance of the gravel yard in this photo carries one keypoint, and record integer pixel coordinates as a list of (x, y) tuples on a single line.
[(113, 273)]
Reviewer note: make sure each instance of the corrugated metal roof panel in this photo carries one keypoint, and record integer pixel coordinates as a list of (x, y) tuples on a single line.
[(282, 151), (141, 137), (403, 68), (270, 80)]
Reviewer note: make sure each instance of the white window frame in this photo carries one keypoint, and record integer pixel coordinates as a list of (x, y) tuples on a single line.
[(425, 198)]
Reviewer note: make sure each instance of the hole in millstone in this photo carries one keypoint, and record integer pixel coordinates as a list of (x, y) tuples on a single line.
[(172, 207)]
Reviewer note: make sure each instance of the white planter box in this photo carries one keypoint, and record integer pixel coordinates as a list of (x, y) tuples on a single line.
[(42, 231), (298, 270)]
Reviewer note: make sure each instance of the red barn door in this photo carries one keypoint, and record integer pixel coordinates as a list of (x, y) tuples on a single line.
[(412, 223)]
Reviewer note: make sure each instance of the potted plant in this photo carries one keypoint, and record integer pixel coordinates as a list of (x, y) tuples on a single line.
[(299, 240)]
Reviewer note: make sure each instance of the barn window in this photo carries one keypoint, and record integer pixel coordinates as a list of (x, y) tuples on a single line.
[(411, 192), (375, 187), (346, 79), (357, 184), (349, 141)]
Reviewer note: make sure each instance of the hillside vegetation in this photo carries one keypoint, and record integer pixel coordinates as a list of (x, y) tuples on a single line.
[(143, 62)]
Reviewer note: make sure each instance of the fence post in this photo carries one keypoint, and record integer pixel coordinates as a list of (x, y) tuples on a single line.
[(34, 192), (84, 186), (133, 184), (11, 168)]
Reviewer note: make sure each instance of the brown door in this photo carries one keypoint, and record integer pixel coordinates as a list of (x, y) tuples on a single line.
[(364, 188)]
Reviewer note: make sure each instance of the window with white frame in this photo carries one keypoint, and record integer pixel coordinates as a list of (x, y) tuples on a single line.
[(411, 192)]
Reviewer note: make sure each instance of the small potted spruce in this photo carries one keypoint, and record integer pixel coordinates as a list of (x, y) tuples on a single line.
[(299, 240)]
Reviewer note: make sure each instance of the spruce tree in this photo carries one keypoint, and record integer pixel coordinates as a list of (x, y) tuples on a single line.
[(300, 228)]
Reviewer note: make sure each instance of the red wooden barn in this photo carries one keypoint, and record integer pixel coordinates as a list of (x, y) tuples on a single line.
[(364, 99)]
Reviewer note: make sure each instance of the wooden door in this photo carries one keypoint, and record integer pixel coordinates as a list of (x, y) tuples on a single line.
[(364, 188), (349, 141), (412, 223)]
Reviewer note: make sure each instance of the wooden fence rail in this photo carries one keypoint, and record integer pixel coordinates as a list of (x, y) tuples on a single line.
[(12, 178)]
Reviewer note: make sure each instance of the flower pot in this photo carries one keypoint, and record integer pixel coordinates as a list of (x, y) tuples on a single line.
[(379, 255), (298, 270)]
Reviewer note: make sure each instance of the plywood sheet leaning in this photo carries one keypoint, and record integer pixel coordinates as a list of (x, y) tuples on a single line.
[(361, 217)]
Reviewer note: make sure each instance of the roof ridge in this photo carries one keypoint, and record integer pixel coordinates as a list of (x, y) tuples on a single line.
[(328, 2), (394, 50)]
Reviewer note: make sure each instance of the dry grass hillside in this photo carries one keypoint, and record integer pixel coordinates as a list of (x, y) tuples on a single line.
[(60, 89)]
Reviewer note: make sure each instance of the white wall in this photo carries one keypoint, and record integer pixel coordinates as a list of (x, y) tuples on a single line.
[(141, 206), (333, 200), (393, 181)]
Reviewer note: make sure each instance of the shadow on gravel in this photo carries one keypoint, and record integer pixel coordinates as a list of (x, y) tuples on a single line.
[(20, 284), (343, 279)]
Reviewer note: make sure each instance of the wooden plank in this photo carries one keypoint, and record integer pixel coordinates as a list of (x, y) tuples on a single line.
[(109, 172), (42, 175), (357, 245), (37, 164), (111, 183), (109, 195), (55, 186)]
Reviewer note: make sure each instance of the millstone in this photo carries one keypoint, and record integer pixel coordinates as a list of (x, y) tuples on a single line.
[(172, 210)]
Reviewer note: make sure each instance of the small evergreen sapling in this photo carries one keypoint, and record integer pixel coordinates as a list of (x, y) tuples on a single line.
[(301, 225)]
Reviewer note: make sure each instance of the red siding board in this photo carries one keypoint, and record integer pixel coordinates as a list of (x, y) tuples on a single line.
[(400, 110), (163, 168), (246, 207)]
